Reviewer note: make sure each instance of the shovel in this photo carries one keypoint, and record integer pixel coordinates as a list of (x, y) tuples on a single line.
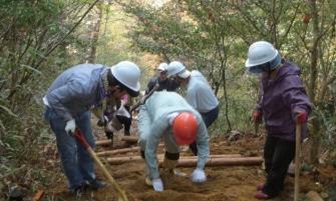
[(297, 161), (121, 194)]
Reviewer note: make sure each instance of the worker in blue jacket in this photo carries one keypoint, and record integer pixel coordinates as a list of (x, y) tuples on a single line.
[(68, 102)]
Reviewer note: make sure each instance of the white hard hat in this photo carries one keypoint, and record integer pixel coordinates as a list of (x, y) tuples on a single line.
[(259, 53), (162, 67), (128, 74), (184, 74), (175, 67)]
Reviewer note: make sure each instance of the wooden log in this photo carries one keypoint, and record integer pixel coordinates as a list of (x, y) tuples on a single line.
[(218, 156), (124, 159), (313, 196), (130, 139), (103, 142), (121, 151), (118, 151), (192, 161), (213, 162)]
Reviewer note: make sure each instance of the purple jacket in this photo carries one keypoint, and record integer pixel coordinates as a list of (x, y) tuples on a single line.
[(280, 99)]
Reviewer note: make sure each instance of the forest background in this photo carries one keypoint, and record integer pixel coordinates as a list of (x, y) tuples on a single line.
[(41, 38)]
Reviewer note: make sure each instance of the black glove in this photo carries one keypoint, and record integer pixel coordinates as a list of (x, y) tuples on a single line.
[(102, 122)]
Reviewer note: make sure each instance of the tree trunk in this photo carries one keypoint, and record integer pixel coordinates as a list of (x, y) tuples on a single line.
[(313, 80), (94, 35)]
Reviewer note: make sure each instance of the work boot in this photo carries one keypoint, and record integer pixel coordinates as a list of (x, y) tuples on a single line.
[(96, 184), (291, 169), (148, 181), (169, 165), (261, 196), (109, 135), (78, 191), (127, 133), (179, 173)]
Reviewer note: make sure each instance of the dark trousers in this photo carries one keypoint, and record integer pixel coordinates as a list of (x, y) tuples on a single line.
[(278, 154), (208, 119)]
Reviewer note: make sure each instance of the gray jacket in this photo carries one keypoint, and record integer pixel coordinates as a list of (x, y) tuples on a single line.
[(154, 124), (76, 90)]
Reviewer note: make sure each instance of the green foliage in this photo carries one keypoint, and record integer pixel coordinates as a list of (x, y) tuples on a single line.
[(213, 36)]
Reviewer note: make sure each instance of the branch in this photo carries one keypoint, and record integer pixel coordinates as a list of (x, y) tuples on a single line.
[(66, 35)]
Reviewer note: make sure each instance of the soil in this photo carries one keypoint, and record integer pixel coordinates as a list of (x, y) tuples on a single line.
[(235, 183)]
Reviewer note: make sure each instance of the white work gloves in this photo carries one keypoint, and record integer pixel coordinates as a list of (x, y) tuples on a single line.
[(157, 184), (198, 176), (70, 127)]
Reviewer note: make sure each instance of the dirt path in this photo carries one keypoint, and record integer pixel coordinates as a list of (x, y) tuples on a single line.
[(224, 183)]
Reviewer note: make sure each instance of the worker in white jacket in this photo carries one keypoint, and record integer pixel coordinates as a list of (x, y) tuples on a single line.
[(199, 93), (168, 115)]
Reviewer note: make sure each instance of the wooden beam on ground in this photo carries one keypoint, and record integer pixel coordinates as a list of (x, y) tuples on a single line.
[(192, 161), (103, 142), (124, 159), (130, 139), (214, 162), (118, 151)]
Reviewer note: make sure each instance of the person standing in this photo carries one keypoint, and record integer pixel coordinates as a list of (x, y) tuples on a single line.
[(167, 115), (162, 80), (68, 102), (199, 94), (116, 116), (282, 104)]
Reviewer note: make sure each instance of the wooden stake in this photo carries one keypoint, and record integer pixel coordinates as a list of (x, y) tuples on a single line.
[(297, 162)]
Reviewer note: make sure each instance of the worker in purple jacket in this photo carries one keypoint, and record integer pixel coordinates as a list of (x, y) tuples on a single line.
[(282, 104)]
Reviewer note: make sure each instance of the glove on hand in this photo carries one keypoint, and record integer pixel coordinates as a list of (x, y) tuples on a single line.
[(70, 127), (198, 176), (301, 117), (157, 184), (256, 115), (102, 122)]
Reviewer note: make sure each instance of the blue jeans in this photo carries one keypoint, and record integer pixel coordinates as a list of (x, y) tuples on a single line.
[(77, 163)]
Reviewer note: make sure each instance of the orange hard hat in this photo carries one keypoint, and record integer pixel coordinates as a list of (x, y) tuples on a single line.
[(185, 128)]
